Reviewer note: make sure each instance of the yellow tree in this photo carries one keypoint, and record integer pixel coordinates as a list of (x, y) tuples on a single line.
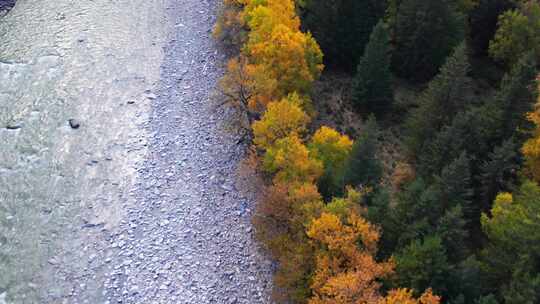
[(405, 296), (330, 147), (346, 270), (290, 57), (290, 161), (280, 223), (281, 119), (531, 148)]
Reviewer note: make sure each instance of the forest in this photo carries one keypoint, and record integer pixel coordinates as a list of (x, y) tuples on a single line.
[(419, 182)]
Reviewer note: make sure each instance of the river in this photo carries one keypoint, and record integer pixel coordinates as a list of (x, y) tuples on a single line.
[(117, 181)]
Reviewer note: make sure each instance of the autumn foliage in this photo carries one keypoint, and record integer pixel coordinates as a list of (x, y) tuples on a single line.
[(327, 251)]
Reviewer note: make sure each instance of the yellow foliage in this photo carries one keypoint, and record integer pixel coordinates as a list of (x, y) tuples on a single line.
[(290, 161), (405, 296), (292, 58), (280, 120), (277, 59), (345, 272), (330, 147), (531, 148), (263, 17)]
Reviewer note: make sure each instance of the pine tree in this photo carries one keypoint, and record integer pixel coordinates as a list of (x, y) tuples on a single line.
[(517, 96), (423, 264), (455, 183), (453, 232), (343, 27), (372, 85), (498, 172), (474, 131), (426, 31), (440, 102), (363, 167)]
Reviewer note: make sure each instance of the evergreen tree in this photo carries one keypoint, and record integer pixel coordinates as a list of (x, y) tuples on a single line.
[(517, 96), (489, 299), (455, 183), (372, 85), (363, 167), (426, 31), (444, 97), (474, 131), (453, 232), (423, 264), (342, 27), (483, 23), (498, 172), (512, 257)]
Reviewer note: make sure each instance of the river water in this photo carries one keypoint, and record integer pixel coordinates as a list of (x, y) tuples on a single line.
[(96, 62)]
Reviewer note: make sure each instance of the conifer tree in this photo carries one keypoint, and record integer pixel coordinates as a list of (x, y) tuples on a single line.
[(517, 96), (444, 97), (363, 167), (426, 31), (343, 27), (423, 264), (372, 85), (499, 171)]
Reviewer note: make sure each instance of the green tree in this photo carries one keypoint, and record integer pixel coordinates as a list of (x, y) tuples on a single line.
[(517, 96), (518, 33), (342, 27), (426, 31), (363, 167), (453, 232), (423, 264), (499, 170), (444, 97), (483, 23), (513, 255), (372, 85), (474, 131)]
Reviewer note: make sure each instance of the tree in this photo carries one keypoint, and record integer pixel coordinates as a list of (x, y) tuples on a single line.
[(333, 149), (405, 296), (518, 33), (289, 161), (440, 102), (280, 221), (363, 167), (483, 23), (453, 232), (474, 131), (277, 58), (372, 85), (531, 149), (426, 31), (498, 172), (290, 59), (330, 147), (346, 272), (281, 119), (513, 231), (517, 96), (342, 27), (423, 264), (514, 225)]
